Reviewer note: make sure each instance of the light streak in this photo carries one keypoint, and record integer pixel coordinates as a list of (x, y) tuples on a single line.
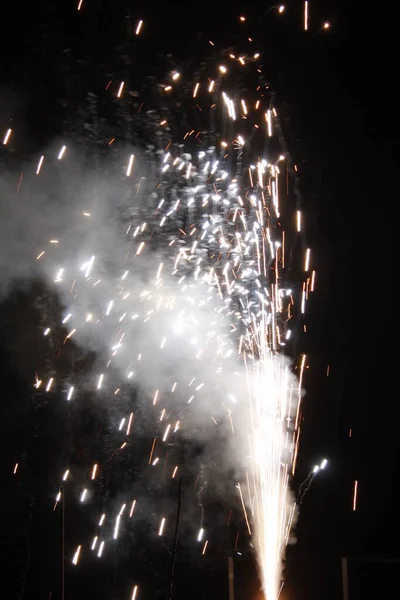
[(76, 555), (61, 153), (7, 136), (355, 493), (41, 159), (130, 164), (162, 524)]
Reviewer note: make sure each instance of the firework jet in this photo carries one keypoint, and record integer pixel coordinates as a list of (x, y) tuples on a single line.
[(185, 297), (271, 396)]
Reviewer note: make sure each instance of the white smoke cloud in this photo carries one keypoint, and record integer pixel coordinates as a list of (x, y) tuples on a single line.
[(146, 327)]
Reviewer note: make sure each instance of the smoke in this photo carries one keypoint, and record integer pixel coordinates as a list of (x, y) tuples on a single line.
[(130, 295)]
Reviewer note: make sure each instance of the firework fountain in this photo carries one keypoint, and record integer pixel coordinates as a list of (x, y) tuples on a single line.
[(193, 303)]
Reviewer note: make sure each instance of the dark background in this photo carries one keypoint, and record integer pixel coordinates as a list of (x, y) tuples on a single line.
[(338, 87)]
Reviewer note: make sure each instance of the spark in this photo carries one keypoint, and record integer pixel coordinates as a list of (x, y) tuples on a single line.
[(130, 164), (7, 136), (134, 592), (76, 555), (132, 508), (138, 27), (355, 493), (307, 260), (116, 527), (298, 213), (100, 381), (100, 552), (121, 87), (41, 159), (61, 153), (162, 524)]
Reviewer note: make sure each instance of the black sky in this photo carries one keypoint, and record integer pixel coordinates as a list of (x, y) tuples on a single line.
[(339, 89)]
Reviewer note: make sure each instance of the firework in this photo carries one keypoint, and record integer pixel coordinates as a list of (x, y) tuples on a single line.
[(200, 287)]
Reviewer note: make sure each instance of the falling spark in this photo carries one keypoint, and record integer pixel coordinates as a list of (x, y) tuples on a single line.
[(130, 164), (100, 552), (116, 528), (134, 593), (355, 495), (298, 220), (307, 260), (138, 27), (61, 153), (161, 529), (76, 555), (39, 165), (7, 136), (100, 381)]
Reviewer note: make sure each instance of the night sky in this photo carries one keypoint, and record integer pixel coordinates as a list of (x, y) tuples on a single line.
[(338, 93)]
